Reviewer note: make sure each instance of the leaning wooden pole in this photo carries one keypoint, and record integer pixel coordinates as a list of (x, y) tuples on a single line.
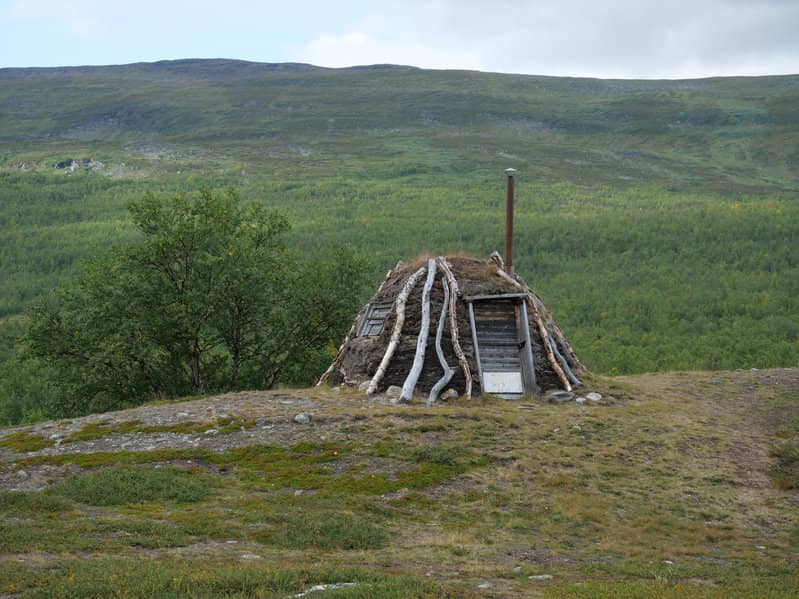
[(337, 360), (424, 332), (340, 354), (453, 325), (542, 329), (402, 298), (448, 372), (567, 354)]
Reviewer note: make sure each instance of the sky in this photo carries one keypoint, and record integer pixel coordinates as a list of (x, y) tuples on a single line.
[(646, 39)]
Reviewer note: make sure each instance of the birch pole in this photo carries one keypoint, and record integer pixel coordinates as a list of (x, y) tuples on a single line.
[(402, 298), (339, 355), (453, 325), (448, 372), (424, 331)]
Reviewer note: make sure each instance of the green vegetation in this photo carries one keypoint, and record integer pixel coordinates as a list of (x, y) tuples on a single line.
[(786, 472), (324, 531), (207, 298), (25, 441), (122, 485), (656, 218), (127, 577)]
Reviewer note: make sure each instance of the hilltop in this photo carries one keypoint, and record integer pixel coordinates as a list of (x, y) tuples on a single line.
[(706, 132), (672, 485)]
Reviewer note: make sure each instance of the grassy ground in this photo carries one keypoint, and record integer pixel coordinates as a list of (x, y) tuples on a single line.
[(673, 485)]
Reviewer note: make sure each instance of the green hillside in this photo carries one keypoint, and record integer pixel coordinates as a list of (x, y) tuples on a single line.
[(658, 219)]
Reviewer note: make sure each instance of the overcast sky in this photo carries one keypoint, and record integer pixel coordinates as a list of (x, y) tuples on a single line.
[(622, 38)]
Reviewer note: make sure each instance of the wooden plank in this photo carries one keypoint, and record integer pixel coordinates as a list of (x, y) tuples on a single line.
[(476, 345), (475, 298), (528, 350)]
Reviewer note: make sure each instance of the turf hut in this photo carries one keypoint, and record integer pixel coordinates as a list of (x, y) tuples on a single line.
[(455, 322)]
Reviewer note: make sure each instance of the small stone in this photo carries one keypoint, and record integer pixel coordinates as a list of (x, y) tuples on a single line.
[(302, 418), (761, 547), (260, 421), (232, 542), (393, 391), (449, 394), (540, 577), (485, 585), (250, 556), (182, 414), (364, 386), (580, 400), (211, 432), (668, 562), (593, 396), (561, 396), (517, 569)]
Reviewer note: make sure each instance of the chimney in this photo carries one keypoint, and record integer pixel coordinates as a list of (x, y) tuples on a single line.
[(510, 172)]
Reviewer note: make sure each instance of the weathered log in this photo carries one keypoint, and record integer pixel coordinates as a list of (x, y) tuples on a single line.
[(424, 331), (340, 354), (542, 329), (448, 372), (402, 298), (453, 325), (497, 259), (557, 335), (565, 365), (570, 353)]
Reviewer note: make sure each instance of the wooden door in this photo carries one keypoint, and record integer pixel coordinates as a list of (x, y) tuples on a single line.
[(498, 341)]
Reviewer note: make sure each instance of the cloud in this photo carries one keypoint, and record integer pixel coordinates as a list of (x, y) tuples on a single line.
[(626, 38), (79, 19)]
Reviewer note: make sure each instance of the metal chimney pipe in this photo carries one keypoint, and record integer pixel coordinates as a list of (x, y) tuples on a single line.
[(510, 172)]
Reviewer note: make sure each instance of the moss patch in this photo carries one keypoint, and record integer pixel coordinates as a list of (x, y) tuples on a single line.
[(24, 441)]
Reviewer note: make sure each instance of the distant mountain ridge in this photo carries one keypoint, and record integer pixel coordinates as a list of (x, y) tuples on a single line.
[(744, 125), (195, 67)]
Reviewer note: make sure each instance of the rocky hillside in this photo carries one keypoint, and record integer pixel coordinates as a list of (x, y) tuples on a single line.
[(670, 485)]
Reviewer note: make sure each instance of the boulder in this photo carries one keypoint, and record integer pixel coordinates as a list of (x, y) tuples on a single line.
[(393, 391), (449, 394)]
